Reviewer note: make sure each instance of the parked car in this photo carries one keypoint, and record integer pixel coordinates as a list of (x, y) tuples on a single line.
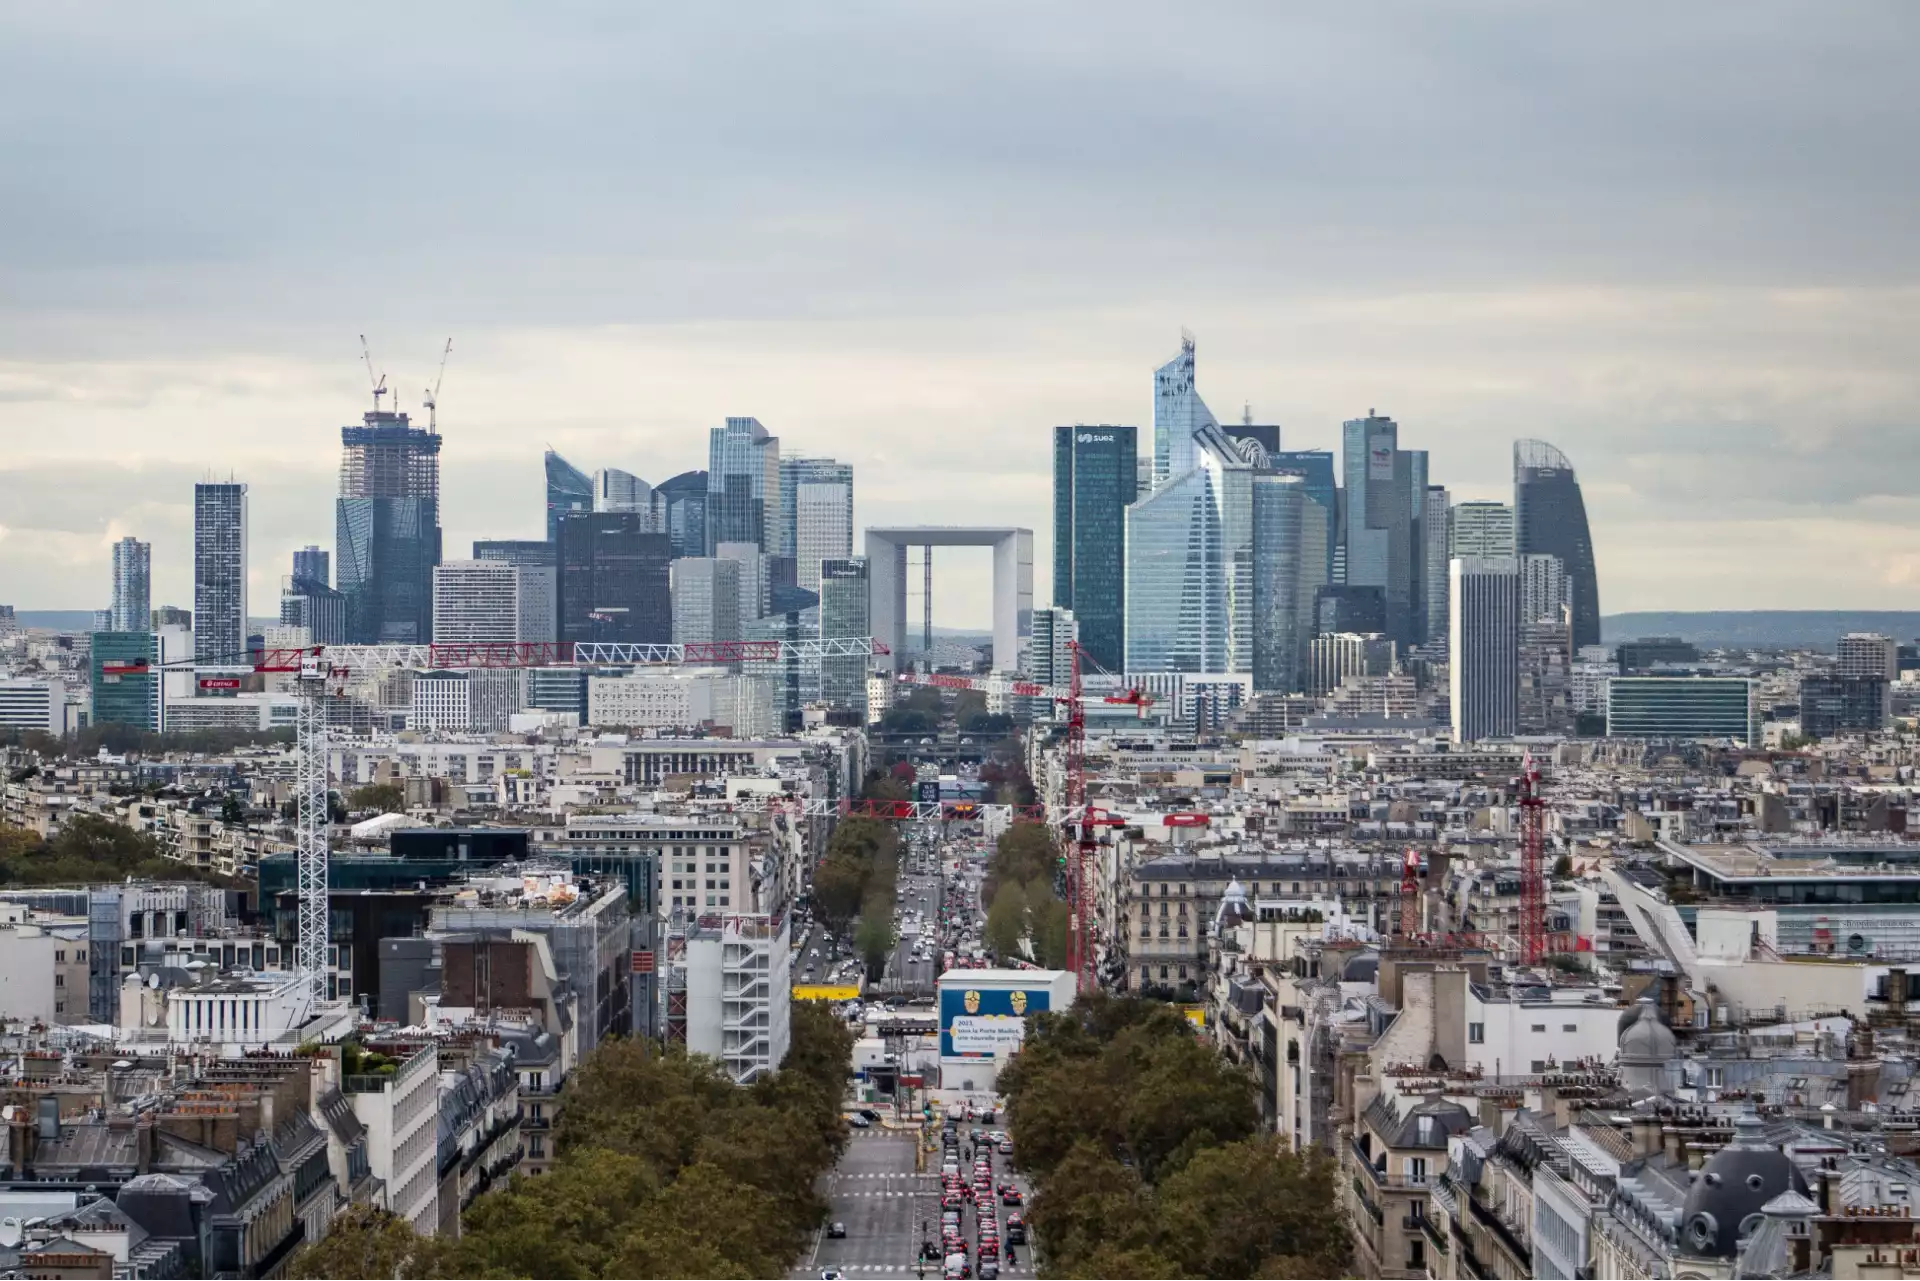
[(836, 1230)]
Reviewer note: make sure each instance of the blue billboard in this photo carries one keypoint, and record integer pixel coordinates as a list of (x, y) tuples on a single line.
[(982, 1022)]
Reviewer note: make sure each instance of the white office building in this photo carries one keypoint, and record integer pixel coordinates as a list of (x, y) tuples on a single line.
[(479, 701), (34, 703), (822, 528), (492, 600), (1480, 529), (755, 581), (682, 699), (1483, 647), (1543, 588), (737, 976)]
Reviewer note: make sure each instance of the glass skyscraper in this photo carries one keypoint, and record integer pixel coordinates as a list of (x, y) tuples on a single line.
[(568, 490), (1550, 518), (1315, 467), (387, 529), (683, 500), (1289, 568), (132, 609), (126, 688), (312, 564), (1483, 647), (845, 611), (1189, 552), (219, 572), (1386, 494), (1094, 479), (743, 486), (1178, 413), (614, 579), (795, 472)]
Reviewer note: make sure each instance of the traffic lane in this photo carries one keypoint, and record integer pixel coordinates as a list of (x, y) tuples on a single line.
[(875, 1192)]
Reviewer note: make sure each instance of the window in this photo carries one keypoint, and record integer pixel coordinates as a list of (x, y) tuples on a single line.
[(1569, 1027), (1539, 1027), (1416, 1169), (60, 957), (59, 980), (1476, 1034)]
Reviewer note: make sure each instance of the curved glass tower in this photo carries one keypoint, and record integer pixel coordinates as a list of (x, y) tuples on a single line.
[(1550, 519), (568, 490)]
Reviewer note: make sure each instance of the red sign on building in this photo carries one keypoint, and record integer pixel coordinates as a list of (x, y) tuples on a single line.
[(219, 682), (643, 962)]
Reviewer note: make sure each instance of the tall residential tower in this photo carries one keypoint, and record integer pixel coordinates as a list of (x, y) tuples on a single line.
[(219, 572), (132, 609)]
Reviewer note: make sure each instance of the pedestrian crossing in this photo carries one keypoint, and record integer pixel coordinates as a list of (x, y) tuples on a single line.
[(885, 1174)]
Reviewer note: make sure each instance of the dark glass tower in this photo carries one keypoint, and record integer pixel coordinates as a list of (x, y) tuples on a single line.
[(683, 505), (568, 490), (1095, 476), (1315, 466), (387, 529), (1550, 519), (614, 580)]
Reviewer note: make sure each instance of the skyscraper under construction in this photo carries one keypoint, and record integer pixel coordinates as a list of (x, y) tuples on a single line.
[(387, 529)]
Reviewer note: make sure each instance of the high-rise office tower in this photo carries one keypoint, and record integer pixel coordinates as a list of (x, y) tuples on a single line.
[(1189, 544), (756, 587), (1178, 413), (622, 491), (1483, 647), (313, 564), (1094, 478), (743, 486), (1550, 517), (1433, 563), (1543, 588), (1339, 608), (682, 502), (1480, 529), (1546, 674), (492, 600), (219, 572), (1315, 466), (795, 472), (1050, 645), (613, 579), (817, 496), (568, 490), (1385, 503), (132, 609), (1265, 435), (1289, 567), (845, 611), (387, 529), (706, 599)]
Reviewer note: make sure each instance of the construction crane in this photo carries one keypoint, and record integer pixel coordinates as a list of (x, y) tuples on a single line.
[(379, 384), (1533, 884), (432, 397), (319, 671)]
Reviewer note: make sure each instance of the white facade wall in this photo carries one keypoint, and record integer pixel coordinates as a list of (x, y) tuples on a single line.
[(402, 1121), (1515, 1036), (492, 600), (706, 599), (28, 703), (823, 528), (27, 974)]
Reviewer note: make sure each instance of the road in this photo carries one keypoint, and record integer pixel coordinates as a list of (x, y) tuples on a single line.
[(885, 1206)]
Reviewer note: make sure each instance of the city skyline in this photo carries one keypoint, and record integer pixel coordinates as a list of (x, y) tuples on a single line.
[(1710, 328)]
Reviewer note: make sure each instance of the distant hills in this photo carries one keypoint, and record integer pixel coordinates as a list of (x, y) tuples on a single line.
[(1761, 628)]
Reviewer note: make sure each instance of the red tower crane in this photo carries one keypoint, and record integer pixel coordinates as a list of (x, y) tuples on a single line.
[(1533, 884)]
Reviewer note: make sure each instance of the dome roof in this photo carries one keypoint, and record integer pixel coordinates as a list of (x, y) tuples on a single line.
[(1733, 1188), (1645, 1039), (1638, 1010)]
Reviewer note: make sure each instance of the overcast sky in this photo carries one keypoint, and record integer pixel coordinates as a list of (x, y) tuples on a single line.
[(1678, 241)]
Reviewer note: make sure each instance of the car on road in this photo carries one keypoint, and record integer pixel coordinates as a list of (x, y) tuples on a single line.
[(836, 1230), (1016, 1229), (859, 1122), (956, 1268), (989, 1270), (870, 1114), (835, 1274), (1009, 1195)]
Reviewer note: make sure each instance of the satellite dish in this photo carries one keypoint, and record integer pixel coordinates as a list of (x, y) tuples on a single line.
[(153, 981)]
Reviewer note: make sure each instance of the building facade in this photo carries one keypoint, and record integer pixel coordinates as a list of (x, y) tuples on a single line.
[(743, 486), (1289, 567), (126, 686), (490, 600), (1093, 482), (614, 579), (1550, 518), (1480, 529), (1483, 643), (387, 529), (1679, 707), (219, 572), (132, 608), (1386, 489), (706, 599), (844, 611), (568, 490)]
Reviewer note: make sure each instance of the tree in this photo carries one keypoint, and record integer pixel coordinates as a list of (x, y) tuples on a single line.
[(1048, 921), (1007, 920), (387, 798), (367, 1241), (1243, 1208), (874, 939)]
